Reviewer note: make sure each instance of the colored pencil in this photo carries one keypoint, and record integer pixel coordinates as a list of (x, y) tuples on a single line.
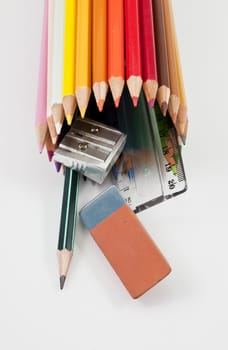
[(50, 121), (163, 93), (50, 54), (49, 146), (133, 50), (57, 65), (148, 54), (41, 105), (182, 116), (116, 48), (174, 100), (83, 55), (52, 129), (99, 51), (67, 223), (69, 100)]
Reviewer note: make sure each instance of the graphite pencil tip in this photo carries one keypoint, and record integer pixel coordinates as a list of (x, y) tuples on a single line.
[(164, 108), (183, 138), (62, 280), (41, 146)]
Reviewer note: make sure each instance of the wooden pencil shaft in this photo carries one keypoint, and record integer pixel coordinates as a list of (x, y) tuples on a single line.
[(132, 39), (178, 63), (99, 41), (69, 210), (149, 65), (41, 102), (115, 38), (69, 48), (160, 42), (83, 52), (170, 33), (182, 116), (41, 107), (52, 129), (83, 40), (50, 54), (99, 51), (57, 53)]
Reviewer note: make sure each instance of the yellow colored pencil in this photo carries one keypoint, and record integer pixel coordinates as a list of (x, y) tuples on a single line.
[(83, 55), (69, 100)]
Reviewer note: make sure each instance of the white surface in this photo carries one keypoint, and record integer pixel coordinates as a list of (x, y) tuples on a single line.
[(189, 309)]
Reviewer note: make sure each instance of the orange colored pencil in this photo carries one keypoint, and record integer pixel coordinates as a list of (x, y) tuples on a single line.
[(99, 51), (116, 48)]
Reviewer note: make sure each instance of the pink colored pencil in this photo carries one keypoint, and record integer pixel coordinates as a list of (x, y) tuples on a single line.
[(41, 107), (148, 53), (133, 50)]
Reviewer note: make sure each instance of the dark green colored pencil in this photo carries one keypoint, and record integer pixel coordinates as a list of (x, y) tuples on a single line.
[(68, 222)]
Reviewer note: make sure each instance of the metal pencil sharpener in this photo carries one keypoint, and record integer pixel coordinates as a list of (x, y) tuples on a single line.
[(91, 148)]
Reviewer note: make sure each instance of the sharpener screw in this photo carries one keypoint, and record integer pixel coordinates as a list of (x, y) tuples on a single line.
[(94, 129), (83, 146)]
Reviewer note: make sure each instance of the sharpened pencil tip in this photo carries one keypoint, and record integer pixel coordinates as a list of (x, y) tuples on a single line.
[(82, 111), (69, 119), (151, 103), (164, 108), (58, 166), (62, 280), (183, 138), (115, 172), (41, 146), (58, 127), (100, 105), (54, 139), (50, 155), (135, 100), (131, 173), (117, 102)]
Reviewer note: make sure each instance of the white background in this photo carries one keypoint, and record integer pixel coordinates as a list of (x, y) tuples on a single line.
[(189, 309)]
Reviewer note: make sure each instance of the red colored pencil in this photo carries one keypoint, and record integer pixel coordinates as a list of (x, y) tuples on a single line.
[(133, 49), (148, 53)]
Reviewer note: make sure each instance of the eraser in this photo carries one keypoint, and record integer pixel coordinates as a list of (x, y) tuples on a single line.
[(125, 242)]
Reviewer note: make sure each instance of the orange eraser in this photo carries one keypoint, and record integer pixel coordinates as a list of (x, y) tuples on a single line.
[(124, 241)]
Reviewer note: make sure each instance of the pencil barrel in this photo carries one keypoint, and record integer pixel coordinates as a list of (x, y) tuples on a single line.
[(69, 210)]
